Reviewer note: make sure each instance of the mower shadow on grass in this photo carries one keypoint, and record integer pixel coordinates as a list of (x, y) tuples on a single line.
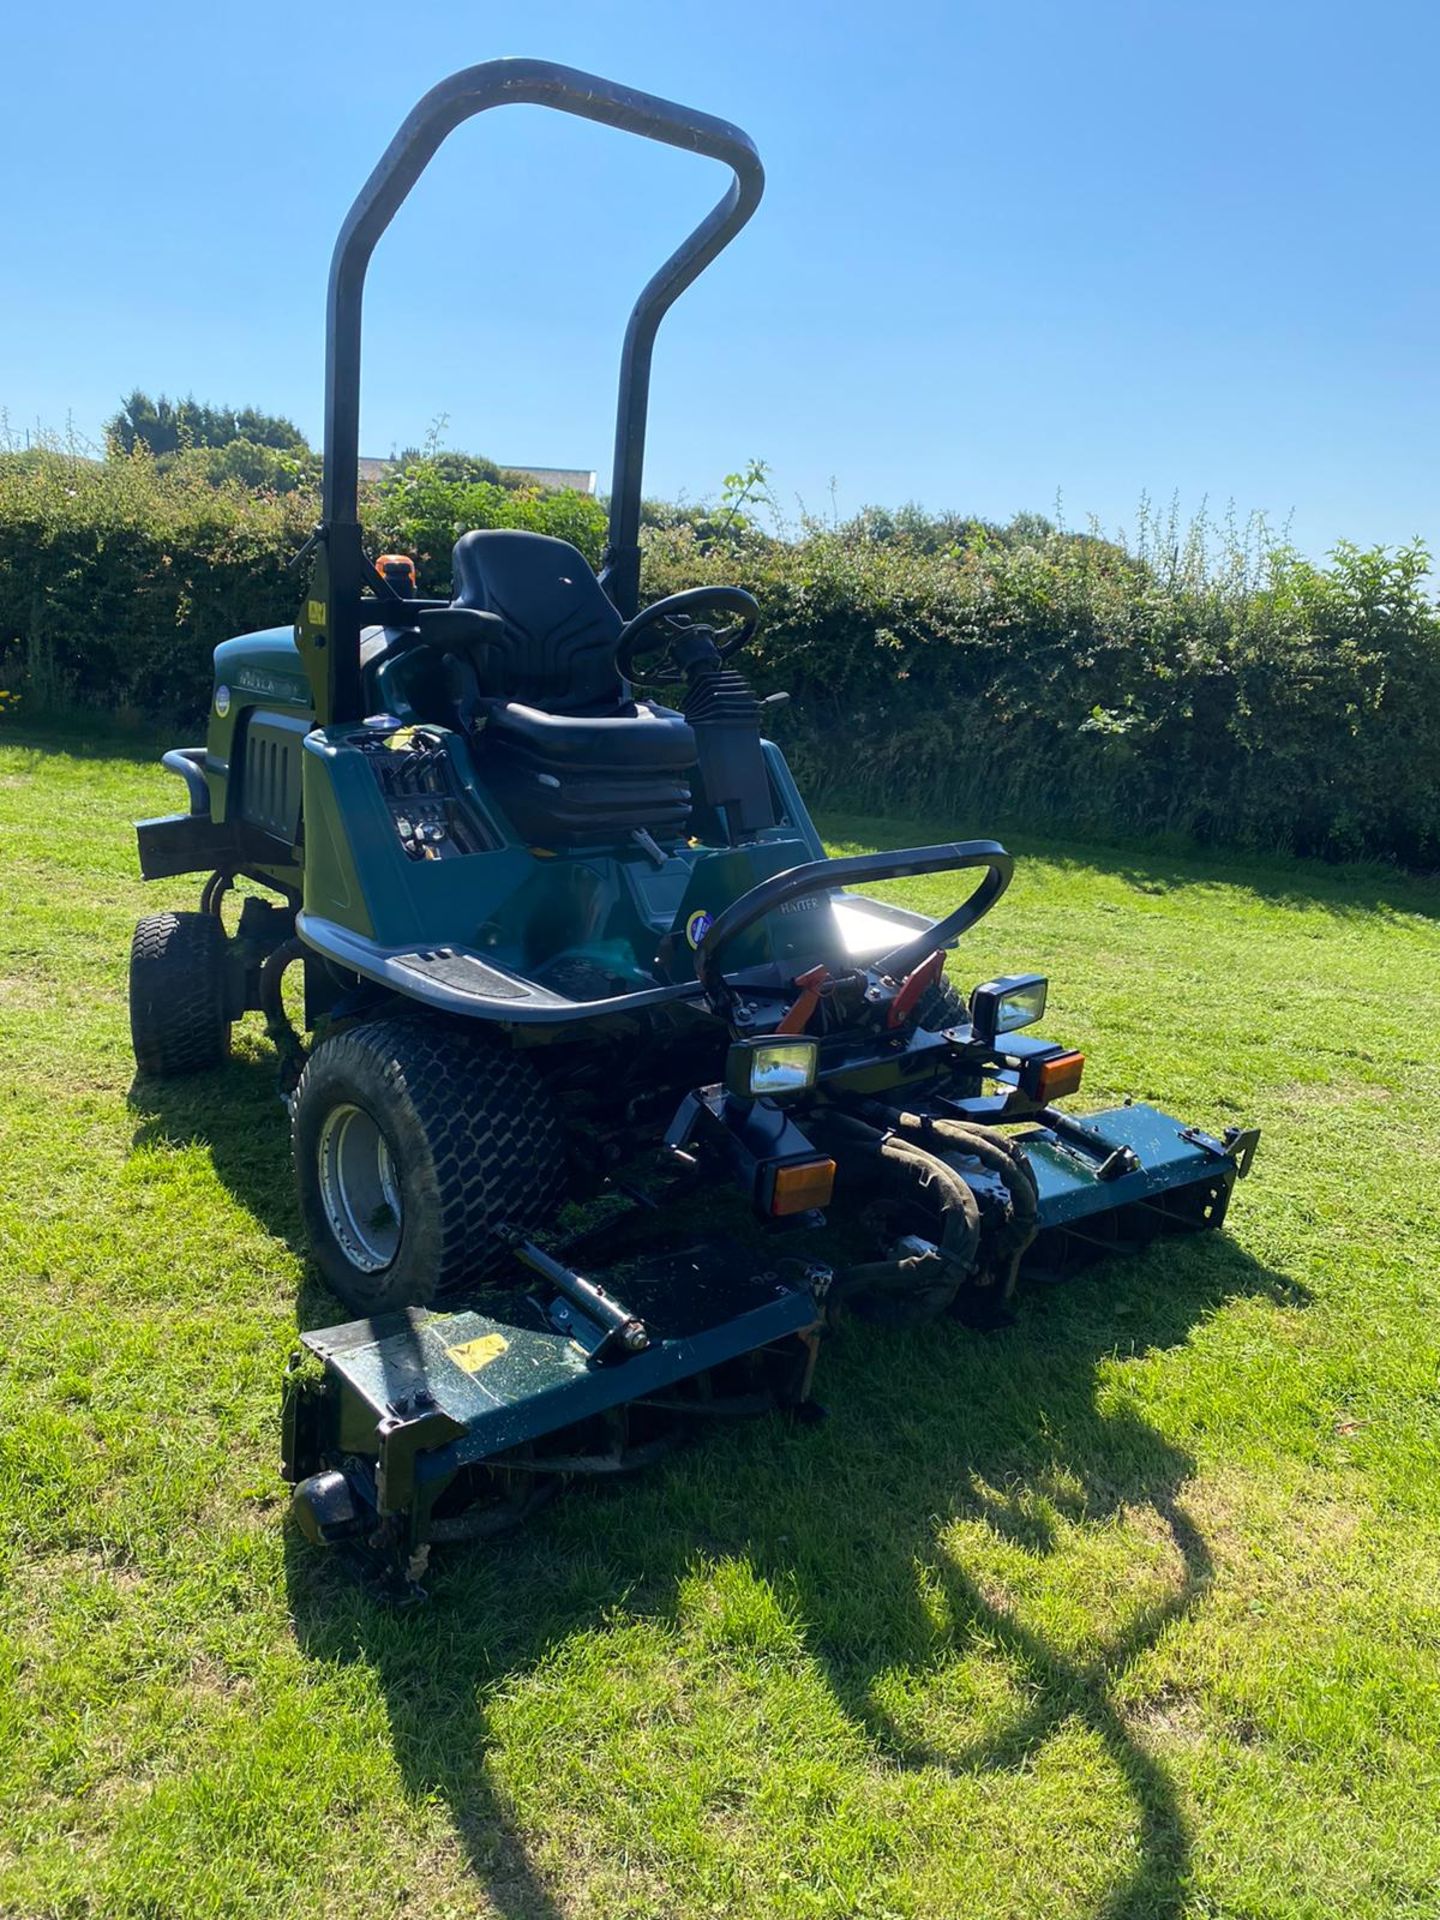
[(847, 1523)]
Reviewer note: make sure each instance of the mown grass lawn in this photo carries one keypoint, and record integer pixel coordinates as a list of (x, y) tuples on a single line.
[(1131, 1610)]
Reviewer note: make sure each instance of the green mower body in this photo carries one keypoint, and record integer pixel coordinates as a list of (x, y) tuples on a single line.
[(614, 1090)]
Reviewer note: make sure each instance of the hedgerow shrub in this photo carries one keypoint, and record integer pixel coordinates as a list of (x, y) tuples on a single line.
[(1065, 680), (118, 578), (116, 582), (420, 512), (935, 664)]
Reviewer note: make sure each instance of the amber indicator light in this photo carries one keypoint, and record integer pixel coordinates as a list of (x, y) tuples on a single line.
[(1057, 1077), (801, 1186)]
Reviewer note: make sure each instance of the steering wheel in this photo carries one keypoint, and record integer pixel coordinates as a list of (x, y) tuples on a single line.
[(679, 611)]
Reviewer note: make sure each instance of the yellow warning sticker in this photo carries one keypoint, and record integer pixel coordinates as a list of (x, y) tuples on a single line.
[(472, 1355)]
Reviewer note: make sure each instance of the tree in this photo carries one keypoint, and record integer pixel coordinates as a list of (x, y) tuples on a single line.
[(167, 426)]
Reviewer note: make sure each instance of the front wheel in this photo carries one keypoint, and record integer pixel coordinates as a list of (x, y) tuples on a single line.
[(412, 1141), (179, 994)]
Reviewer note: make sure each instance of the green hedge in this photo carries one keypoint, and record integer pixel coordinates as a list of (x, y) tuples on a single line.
[(115, 583), (117, 579), (1062, 680), (936, 666)]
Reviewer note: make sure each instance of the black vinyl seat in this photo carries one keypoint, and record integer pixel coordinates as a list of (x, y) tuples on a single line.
[(570, 756), (573, 780), (558, 646), (653, 742)]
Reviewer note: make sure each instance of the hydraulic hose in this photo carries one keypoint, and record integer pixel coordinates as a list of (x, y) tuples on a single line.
[(921, 1284), (216, 887), (277, 1022), (994, 1150)]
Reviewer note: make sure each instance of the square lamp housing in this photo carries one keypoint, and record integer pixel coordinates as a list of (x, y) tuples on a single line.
[(771, 1069), (1004, 1006)]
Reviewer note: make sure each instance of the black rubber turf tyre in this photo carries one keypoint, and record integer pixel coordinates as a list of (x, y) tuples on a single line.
[(179, 1011), (468, 1138), (942, 1006)]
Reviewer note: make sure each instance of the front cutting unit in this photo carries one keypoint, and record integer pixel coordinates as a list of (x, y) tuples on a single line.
[(613, 1091)]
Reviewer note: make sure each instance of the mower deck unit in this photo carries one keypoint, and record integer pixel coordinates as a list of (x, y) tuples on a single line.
[(616, 1090)]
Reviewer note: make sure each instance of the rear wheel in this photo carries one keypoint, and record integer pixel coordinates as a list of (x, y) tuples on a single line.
[(179, 994), (412, 1141), (943, 1006)]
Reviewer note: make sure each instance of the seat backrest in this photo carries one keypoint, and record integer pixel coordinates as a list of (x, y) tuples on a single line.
[(558, 647)]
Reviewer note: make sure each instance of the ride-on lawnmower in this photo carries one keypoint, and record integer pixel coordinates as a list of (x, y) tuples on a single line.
[(569, 949)]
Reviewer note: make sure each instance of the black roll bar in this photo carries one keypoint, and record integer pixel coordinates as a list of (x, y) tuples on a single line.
[(857, 870), (331, 622)]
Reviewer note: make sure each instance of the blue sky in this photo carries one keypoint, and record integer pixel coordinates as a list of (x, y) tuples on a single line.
[(1006, 252)]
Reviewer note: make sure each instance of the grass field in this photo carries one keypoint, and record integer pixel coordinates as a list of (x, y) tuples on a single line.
[(1131, 1610)]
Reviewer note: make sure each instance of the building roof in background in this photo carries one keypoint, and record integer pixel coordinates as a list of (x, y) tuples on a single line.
[(553, 479)]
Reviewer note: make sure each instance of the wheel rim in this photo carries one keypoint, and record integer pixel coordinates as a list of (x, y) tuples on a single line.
[(359, 1188)]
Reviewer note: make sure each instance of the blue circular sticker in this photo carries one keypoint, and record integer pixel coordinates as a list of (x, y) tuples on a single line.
[(698, 925), (222, 701)]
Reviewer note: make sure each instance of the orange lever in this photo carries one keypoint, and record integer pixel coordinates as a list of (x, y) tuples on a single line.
[(913, 985), (797, 1014)]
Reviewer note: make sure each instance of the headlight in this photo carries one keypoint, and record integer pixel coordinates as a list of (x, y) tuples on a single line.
[(772, 1069), (1003, 1006)]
